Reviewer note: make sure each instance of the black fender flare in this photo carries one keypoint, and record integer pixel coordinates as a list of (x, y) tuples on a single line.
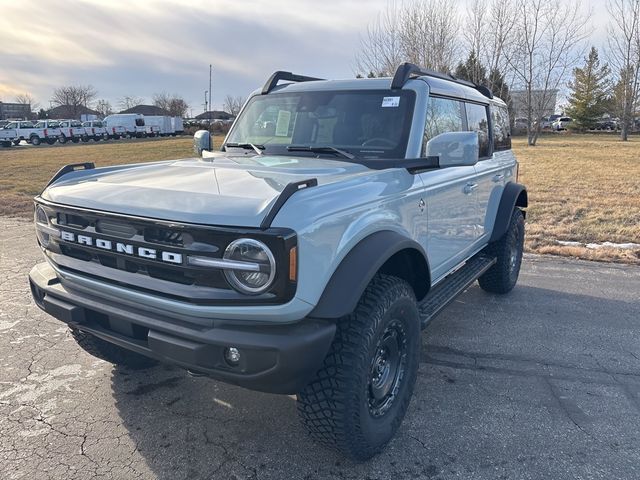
[(358, 267), (514, 195)]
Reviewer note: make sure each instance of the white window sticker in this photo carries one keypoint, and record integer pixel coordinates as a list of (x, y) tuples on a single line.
[(282, 126), (390, 101)]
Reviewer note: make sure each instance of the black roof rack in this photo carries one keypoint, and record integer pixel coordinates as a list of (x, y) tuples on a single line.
[(407, 70), (288, 76)]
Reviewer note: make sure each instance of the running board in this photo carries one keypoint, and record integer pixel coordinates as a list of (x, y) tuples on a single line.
[(452, 286)]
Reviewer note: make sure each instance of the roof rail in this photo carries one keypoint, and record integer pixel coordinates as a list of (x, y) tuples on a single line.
[(288, 76), (407, 70)]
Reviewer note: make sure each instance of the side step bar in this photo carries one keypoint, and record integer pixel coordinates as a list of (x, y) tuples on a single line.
[(452, 286)]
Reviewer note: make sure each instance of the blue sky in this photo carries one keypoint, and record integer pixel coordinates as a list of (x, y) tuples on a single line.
[(141, 47)]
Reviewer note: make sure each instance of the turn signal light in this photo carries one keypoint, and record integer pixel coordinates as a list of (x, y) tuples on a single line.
[(293, 264)]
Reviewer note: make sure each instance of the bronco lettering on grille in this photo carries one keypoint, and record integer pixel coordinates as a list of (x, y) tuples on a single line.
[(118, 247)]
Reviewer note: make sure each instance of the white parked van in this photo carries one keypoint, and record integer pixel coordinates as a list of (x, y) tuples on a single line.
[(162, 122), (177, 125), (132, 122)]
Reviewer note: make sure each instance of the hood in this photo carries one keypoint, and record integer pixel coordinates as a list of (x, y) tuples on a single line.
[(219, 190)]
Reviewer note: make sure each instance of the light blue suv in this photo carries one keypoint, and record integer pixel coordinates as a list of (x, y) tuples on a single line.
[(306, 255)]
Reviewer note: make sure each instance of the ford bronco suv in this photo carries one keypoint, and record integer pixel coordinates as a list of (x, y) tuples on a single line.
[(306, 255)]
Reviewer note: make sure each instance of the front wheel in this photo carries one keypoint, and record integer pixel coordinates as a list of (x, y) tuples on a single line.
[(358, 398), (503, 275), (75, 140), (35, 140)]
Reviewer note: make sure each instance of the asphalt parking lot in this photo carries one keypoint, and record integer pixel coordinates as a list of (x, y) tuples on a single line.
[(542, 383)]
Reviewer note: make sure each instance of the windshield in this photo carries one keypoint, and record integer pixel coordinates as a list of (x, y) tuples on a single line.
[(365, 123)]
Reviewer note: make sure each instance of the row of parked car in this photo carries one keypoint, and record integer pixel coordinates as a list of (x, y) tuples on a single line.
[(129, 125), (558, 123)]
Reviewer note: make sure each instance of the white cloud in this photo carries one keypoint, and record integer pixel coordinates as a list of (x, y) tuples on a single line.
[(143, 46)]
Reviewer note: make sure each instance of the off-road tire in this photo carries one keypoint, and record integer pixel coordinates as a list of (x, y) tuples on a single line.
[(502, 277), (35, 140), (111, 353), (62, 139), (335, 406)]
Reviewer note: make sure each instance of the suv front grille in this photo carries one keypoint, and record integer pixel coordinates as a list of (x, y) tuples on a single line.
[(175, 278)]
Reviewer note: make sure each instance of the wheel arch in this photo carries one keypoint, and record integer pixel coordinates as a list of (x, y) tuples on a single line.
[(514, 195), (386, 252)]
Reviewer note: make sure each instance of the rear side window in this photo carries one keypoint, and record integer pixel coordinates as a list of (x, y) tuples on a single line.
[(443, 115), (477, 122), (501, 128)]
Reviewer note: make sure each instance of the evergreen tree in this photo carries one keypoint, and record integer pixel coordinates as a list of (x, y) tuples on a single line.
[(590, 89), (472, 70)]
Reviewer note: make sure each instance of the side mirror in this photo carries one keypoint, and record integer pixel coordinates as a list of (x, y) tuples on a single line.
[(201, 141), (455, 149)]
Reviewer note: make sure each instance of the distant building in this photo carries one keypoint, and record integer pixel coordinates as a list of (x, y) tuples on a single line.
[(14, 111), (70, 112), (148, 110), (215, 115), (541, 106)]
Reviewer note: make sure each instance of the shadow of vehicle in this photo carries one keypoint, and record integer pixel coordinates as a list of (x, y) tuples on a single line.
[(505, 383)]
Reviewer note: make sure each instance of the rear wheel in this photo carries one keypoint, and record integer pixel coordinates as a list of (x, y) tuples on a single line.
[(62, 139), (502, 277), (35, 140), (85, 138), (109, 352), (16, 142), (51, 141), (358, 398), (75, 140)]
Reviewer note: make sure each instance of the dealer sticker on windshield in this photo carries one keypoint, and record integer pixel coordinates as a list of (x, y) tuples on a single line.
[(390, 101)]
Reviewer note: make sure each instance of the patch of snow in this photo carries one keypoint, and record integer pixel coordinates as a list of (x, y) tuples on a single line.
[(597, 246), (570, 244)]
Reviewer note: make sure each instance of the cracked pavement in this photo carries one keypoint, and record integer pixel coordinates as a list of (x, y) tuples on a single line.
[(541, 383)]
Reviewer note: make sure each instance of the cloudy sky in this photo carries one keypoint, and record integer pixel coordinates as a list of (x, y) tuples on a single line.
[(139, 47)]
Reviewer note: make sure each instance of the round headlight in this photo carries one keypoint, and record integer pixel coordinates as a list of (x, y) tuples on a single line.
[(40, 218), (261, 266)]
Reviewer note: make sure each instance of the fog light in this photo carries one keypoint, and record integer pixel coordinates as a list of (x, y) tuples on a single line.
[(232, 356)]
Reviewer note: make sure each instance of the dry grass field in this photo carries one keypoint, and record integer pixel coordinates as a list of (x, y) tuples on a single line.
[(581, 188)]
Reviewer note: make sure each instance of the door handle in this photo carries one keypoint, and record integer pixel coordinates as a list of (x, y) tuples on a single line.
[(498, 178), (469, 188)]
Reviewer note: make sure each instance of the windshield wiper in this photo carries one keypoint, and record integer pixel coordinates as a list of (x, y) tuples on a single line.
[(247, 146), (320, 149)]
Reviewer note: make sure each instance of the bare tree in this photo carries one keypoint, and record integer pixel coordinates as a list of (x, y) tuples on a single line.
[(74, 97), (424, 32), (550, 41), (624, 55), (103, 107), (232, 105), (129, 101), (27, 99), (175, 105), (381, 49), (429, 34)]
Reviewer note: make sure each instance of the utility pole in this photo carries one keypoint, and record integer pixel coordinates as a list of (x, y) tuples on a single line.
[(210, 107)]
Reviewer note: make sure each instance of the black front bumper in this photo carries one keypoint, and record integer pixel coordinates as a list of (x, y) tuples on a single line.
[(273, 358)]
